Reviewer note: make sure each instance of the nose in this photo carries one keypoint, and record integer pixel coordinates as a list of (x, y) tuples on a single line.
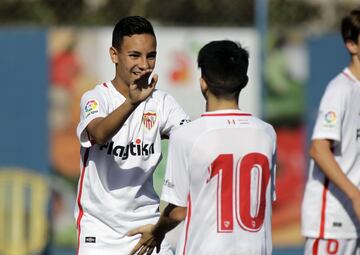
[(143, 63)]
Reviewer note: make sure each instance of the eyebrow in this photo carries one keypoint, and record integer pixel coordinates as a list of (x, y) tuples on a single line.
[(138, 52)]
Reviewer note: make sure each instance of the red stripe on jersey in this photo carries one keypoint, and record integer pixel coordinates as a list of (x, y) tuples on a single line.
[(81, 211), (315, 248), (105, 85), (224, 114), (188, 217), (348, 76), (323, 208)]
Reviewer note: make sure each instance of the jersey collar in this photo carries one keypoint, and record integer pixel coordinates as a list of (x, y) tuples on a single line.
[(227, 112), (113, 90), (349, 75)]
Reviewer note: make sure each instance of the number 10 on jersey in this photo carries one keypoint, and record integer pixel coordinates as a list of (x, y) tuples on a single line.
[(252, 178)]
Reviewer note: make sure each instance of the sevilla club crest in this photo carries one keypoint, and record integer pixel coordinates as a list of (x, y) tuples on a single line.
[(149, 119)]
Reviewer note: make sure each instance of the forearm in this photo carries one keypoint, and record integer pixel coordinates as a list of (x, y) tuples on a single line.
[(320, 151), (101, 130), (169, 219)]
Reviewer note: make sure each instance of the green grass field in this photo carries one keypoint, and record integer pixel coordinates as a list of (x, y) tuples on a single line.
[(160, 170)]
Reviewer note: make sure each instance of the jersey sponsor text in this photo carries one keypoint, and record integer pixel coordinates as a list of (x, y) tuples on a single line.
[(134, 149)]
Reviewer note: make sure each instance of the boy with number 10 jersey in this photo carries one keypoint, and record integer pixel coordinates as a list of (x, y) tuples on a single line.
[(222, 170), (220, 174)]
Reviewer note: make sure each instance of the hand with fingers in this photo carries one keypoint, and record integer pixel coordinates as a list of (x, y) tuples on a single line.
[(148, 242), (141, 89)]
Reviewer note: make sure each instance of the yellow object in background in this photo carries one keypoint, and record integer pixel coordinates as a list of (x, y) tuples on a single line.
[(24, 204)]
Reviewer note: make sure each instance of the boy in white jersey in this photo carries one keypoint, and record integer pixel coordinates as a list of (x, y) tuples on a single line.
[(331, 204), (121, 125), (220, 169)]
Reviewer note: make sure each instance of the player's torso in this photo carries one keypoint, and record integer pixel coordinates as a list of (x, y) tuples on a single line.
[(327, 212), (348, 153), (118, 186), (138, 142), (230, 190)]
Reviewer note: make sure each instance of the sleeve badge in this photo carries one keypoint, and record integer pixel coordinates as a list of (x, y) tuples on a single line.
[(91, 107)]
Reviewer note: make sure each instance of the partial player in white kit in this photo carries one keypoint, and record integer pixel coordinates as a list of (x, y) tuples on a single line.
[(220, 172), (331, 204), (121, 125)]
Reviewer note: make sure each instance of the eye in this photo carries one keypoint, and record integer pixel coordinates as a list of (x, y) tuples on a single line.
[(133, 56), (151, 56)]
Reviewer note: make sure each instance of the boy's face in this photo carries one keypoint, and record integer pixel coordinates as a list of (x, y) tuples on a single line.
[(137, 53)]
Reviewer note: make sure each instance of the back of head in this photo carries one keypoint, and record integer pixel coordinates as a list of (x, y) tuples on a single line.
[(129, 26), (350, 26), (224, 66)]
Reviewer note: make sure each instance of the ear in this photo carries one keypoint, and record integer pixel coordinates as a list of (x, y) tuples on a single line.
[(246, 81), (352, 47), (114, 55), (203, 87)]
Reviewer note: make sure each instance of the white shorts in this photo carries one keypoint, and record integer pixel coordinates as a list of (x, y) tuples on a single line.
[(114, 250), (99, 239), (316, 246)]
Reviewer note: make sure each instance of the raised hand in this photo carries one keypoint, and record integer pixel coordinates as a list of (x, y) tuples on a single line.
[(141, 89)]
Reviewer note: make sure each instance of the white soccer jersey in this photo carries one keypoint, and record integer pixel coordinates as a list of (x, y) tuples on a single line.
[(326, 211), (115, 191), (222, 167)]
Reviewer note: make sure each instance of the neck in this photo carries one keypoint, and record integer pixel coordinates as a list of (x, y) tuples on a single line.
[(213, 104), (355, 67), (121, 86)]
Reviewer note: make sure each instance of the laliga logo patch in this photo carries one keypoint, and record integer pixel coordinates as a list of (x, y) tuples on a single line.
[(330, 117), (91, 107), (149, 119)]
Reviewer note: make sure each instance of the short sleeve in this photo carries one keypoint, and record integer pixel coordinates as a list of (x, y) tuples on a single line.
[(176, 183), (330, 114), (172, 115), (92, 105)]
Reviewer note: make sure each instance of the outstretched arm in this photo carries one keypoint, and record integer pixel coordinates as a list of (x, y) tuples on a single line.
[(153, 235), (320, 151), (102, 129)]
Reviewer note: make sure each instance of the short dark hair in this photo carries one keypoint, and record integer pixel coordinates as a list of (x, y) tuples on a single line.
[(224, 66), (128, 26), (350, 26)]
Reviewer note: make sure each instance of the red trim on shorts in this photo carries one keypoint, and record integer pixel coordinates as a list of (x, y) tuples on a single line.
[(224, 114), (188, 217), (105, 85), (348, 76), (81, 211), (323, 208)]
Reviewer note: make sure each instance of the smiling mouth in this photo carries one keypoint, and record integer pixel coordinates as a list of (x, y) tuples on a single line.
[(139, 73)]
